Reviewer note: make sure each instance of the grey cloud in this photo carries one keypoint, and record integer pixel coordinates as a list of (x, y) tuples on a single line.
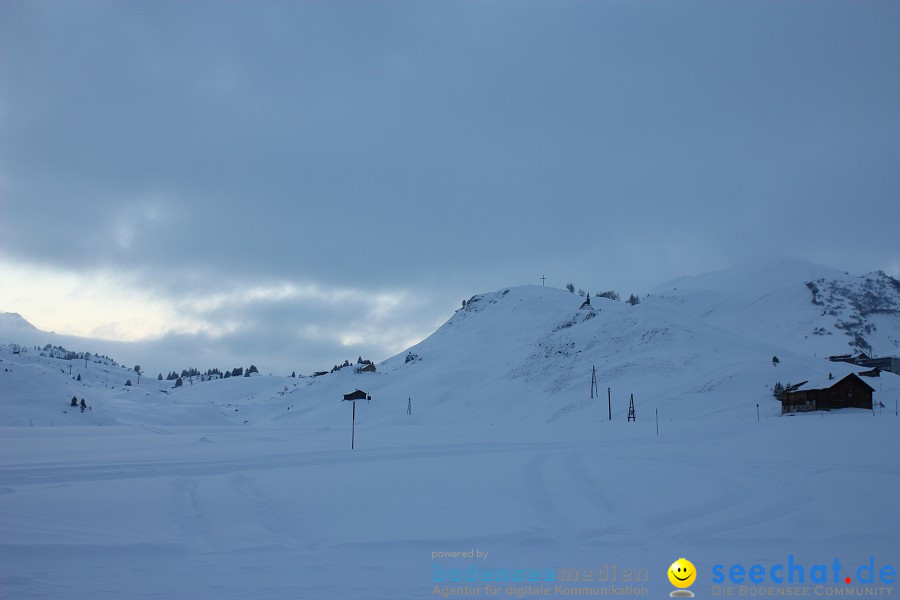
[(454, 147)]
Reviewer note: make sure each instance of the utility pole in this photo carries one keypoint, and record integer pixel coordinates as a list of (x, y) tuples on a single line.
[(353, 428), (609, 402), (593, 381), (757, 412), (409, 406), (631, 416), (657, 421), (543, 279)]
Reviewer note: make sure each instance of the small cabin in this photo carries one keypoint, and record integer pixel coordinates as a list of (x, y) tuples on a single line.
[(366, 368), (848, 392), (357, 395)]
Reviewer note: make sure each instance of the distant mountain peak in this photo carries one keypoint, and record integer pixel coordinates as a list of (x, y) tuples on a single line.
[(9, 320)]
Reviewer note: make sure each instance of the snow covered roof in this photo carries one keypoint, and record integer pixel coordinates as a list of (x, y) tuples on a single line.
[(825, 383), (357, 395)]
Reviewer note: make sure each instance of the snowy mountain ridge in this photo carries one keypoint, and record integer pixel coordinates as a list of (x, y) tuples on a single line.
[(805, 307), (701, 348)]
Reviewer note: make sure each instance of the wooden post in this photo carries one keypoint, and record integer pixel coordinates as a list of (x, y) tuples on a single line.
[(757, 412), (657, 421), (593, 380), (609, 402), (353, 428), (409, 407)]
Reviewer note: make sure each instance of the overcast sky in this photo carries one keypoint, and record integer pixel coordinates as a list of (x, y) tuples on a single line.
[(295, 183)]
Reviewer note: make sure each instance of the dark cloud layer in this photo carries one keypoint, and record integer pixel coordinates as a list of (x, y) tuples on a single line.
[(210, 147)]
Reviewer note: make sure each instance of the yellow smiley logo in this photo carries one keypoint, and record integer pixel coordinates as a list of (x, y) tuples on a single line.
[(682, 573)]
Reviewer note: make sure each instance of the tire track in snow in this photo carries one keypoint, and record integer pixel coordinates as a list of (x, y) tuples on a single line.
[(196, 534), (585, 484), (731, 494), (608, 520), (277, 523), (61, 473), (541, 500)]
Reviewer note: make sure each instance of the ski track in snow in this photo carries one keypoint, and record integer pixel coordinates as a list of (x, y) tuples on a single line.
[(186, 508), (277, 524)]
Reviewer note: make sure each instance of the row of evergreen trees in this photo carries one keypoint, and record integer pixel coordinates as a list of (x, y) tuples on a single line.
[(209, 374), (359, 361), (51, 351)]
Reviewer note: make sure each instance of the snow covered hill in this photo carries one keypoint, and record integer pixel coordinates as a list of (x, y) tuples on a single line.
[(697, 348), (795, 304)]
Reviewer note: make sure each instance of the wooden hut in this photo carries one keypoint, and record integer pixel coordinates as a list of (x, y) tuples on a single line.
[(848, 392), (357, 395)]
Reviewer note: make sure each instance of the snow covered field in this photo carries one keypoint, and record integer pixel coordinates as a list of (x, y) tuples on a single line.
[(274, 512)]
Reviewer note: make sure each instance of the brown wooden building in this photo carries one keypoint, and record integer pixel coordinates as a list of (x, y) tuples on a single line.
[(847, 392)]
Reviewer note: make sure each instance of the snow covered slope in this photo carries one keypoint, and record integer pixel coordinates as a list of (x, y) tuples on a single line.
[(37, 391), (795, 304), (698, 348)]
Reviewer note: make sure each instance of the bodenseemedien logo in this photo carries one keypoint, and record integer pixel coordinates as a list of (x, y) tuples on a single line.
[(682, 574)]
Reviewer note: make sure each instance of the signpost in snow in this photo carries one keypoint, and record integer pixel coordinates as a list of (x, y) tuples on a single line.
[(353, 397)]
